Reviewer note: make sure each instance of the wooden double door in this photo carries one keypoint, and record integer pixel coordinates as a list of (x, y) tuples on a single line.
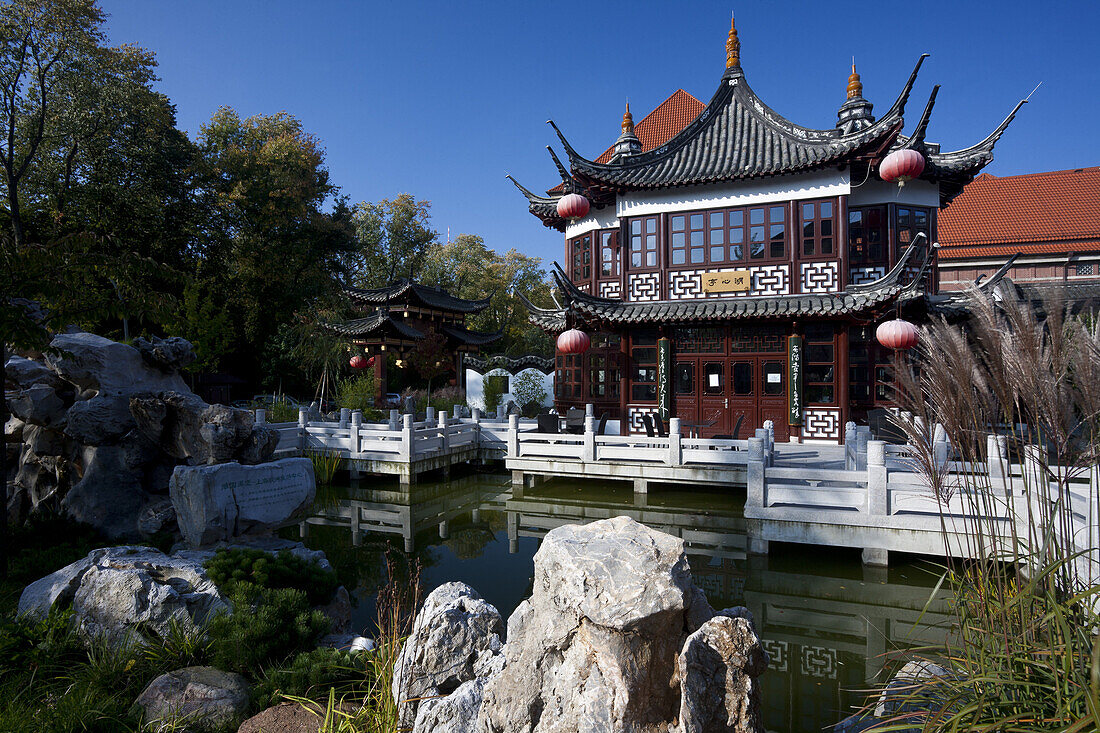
[(724, 394)]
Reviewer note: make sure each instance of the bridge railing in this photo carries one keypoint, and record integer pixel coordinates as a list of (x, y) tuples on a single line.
[(673, 450)]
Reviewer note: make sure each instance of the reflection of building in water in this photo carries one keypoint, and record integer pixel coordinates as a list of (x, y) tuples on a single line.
[(826, 622), (409, 510)]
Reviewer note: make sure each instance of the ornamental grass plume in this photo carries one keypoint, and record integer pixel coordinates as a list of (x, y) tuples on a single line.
[(1022, 652)]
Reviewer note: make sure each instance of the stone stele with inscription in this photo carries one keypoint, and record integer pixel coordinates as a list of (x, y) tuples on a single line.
[(228, 500)]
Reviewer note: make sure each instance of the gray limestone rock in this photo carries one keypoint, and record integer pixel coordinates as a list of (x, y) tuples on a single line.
[(718, 670), (449, 635), (13, 430), (200, 698), (110, 496), (167, 354), (455, 713), (595, 647), (129, 592), (126, 593), (26, 373), (188, 429), (220, 502), (89, 361), (102, 420), (38, 404)]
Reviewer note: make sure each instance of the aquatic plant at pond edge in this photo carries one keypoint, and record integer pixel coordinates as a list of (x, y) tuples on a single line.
[(1024, 651), (326, 463)]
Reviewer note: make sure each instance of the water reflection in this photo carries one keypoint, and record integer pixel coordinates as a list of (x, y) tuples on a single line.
[(826, 620)]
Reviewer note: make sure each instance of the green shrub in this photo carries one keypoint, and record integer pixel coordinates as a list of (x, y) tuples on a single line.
[(266, 626), (27, 644), (283, 570), (528, 388), (325, 465), (357, 392), (281, 411), (310, 675), (494, 386)]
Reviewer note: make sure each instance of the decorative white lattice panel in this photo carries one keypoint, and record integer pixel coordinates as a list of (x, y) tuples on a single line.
[(820, 277), (819, 661), (685, 285), (821, 423), (645, 286), (770, 280), (634, 416), (585, 288), (611, 289), (861, 275), (778, 654)]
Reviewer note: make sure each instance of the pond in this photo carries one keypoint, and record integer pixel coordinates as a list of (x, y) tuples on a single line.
[(825, 619)]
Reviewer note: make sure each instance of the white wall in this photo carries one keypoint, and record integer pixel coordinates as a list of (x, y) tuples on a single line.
[(475, 386)]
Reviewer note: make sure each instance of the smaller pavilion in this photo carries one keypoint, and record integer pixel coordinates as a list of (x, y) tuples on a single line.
[(398, 317)]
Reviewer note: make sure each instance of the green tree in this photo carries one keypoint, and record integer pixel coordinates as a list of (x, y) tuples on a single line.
[(395, 237), (470, 269), (270, 250)]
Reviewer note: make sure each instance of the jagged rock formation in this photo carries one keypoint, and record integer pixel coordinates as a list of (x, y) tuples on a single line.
[(98, 426), (615, 637)]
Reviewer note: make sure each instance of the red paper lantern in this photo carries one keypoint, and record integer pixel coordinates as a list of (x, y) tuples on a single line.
[(358, 362), (897, 334), (901, 166), (370, 362), (573, 341), (573, 206)]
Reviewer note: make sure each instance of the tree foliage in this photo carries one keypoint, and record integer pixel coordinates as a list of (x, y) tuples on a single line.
[(395, 237)]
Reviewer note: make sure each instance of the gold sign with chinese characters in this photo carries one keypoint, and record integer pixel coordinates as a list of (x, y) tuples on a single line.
[(727, 281)]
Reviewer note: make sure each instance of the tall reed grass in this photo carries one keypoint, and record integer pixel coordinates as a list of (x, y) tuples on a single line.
[(1023, 652)]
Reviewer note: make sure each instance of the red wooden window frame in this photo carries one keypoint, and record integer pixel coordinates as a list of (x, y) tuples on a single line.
[(818, 229)]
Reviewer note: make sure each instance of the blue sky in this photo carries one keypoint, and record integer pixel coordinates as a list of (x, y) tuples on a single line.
[(440, 100)]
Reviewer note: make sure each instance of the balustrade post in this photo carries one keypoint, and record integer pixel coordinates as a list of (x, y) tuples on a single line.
[(675, 442), (877, 500), (919, 427), (513, 436), (345, 416), (500, 412), (756, 491), (769, 425), (429, 414), (261, 416), (1034, 475), (762, 434), (588, 454), (849, 446), (303, 424), (457, 410), (356, 449), (406, 437), (862, 436), (589, 410), (395, 419), (475, 414), (996, 452), (444, 434)]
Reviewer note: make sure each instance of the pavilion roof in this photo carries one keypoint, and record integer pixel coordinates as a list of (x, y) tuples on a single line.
[(381, 324), (409, 292), (856, 298)]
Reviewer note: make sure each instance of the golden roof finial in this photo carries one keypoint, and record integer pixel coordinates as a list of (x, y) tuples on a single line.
[(628, 121), (855, 86), (733, 47)]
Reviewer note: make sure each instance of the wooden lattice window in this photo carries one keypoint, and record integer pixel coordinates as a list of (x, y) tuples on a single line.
[(757, 340), (867, 236), (818, 228), (582, 258), (568, 382), (603, 376), (609, 254), (699, 340), (643, 242), (819, 365)]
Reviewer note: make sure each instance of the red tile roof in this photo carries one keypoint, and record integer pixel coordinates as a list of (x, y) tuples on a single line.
[(661, 125), (1001, 250), (1053, 212)]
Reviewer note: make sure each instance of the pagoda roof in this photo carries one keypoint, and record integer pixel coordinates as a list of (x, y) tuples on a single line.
[(510, 364), (854, 299), (738, 137), (381, 324), (955, 169), (409, 292)]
